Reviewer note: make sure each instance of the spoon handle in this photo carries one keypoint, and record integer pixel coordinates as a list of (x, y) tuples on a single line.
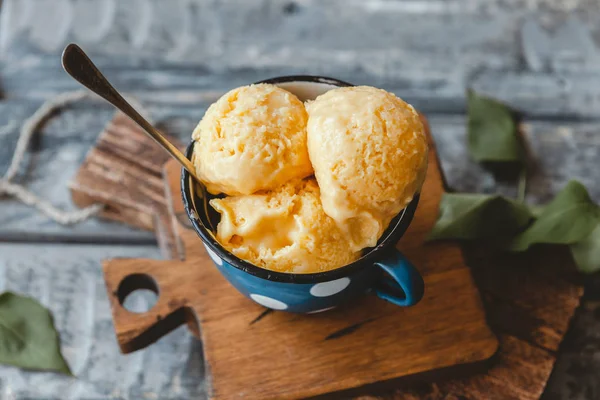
[(82, 69)]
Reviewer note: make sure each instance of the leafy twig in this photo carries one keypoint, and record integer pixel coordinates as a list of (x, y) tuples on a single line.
[(571, 218)]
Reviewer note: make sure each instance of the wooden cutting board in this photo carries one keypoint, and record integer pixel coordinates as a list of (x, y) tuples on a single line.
[(253, 352), (123, 171)]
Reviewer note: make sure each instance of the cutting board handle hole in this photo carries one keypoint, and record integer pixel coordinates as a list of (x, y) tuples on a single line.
[(138, 293)]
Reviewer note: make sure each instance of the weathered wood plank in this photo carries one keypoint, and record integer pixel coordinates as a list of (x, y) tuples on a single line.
[(55, 155), (68, 280), (123, 172), (452, 332), (181, 56), (575, 376), (529, 300), (532, 54), (518, 373), (561, 150)]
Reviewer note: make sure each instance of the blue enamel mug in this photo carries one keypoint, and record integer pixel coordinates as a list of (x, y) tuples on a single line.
[(382, 270)]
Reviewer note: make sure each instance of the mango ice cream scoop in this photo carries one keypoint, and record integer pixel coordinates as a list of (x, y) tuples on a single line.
[(253, 138), (283, 230), (369, 152)]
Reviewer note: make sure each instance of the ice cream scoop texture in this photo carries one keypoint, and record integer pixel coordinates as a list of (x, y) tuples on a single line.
[(253, 138)]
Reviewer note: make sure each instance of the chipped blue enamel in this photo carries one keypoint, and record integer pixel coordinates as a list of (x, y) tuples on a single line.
[(382, 270)]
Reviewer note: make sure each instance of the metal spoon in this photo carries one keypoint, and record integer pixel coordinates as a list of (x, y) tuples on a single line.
[(82, 69)]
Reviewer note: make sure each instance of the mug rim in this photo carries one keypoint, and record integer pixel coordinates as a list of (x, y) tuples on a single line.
[(391, 234)]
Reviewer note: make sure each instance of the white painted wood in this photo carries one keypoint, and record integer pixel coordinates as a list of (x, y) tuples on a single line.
[(541, 55), (178, 56), (561, 150), (67, 279), (55, 156)]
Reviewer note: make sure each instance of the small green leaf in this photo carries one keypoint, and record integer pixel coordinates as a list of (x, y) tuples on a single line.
[(536, 210), (568, 218), (492, 130), (586, 252), (28, 338), (478, 216)]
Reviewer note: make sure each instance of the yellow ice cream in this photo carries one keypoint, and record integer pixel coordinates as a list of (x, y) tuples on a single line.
[(253, 138), (283, 230), (369, 152)]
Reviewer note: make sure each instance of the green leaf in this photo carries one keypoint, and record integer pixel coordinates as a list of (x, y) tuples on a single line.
[(586, 252), (568, 218), (28, 338), (478, 216), (492, 130)]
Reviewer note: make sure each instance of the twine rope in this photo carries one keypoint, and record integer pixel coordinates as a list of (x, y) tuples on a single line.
[(30, 126)]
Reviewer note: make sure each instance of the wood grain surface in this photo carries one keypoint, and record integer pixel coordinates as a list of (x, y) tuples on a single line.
[(529, 301), (359, 344), (65, 141), (539, 55), (123, 172), (67, 279), (178, 56)]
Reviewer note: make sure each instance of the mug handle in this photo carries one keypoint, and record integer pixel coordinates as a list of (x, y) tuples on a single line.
[(406, 286)]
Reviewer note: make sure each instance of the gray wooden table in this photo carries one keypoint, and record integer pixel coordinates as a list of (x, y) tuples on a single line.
[(177, 56)]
